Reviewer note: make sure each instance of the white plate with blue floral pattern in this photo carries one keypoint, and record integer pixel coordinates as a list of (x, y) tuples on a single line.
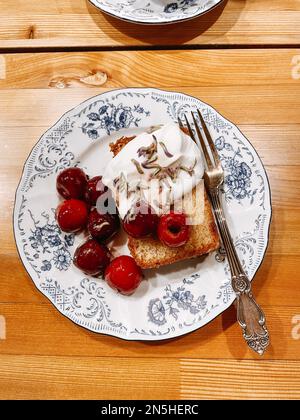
[(173, 300), (156, 11)]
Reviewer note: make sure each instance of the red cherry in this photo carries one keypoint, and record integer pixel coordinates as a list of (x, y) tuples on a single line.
[(123, 274), (71, 183), (91, 257), (72, 215), (141, 220), (173, 230), (94, 189), (103, 226)]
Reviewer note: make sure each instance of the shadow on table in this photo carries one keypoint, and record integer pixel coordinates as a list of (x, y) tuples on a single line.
[(172, 34)]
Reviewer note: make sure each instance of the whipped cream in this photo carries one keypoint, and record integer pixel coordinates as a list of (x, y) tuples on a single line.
[(160, 168)]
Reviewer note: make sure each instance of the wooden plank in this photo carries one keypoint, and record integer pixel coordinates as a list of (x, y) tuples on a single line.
[(80, 7), (31, 377), (49, 24), (39, 329), (37, 377), (254, 79), (47, 106), (274, 141), (240, 380), (125, 69)]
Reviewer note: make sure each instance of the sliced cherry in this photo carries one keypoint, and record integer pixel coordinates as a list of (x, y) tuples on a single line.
[(173, 230)]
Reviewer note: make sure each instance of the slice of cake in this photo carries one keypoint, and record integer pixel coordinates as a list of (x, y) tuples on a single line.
[(149, 252)]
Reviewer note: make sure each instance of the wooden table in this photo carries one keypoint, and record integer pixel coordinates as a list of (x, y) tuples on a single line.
[(244, 59)]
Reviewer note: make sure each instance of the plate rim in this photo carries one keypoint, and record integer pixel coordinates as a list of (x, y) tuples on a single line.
[(146, 338), (162, 22)]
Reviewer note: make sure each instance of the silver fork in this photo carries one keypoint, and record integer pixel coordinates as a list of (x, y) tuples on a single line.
[(249, 314)]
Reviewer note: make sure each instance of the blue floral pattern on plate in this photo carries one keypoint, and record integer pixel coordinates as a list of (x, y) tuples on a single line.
[(181, 5), (238, 179), (112, 118), (47, 246), (156, 12), (171, 301)]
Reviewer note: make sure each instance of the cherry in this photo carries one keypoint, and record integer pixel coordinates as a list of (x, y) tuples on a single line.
[(71, 183), (103, 226), (91, 257), (141, 220), (72, 215), (123, 274), (173, 230), (94, 189)]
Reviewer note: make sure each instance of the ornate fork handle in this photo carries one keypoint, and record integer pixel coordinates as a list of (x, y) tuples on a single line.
[(250, 316)]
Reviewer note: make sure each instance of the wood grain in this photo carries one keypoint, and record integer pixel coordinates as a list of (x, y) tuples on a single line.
[(98, 377), (248, 380), (51, 104), (36, 329), (47, 356), (87, 378), (138, 68), (65, 24)]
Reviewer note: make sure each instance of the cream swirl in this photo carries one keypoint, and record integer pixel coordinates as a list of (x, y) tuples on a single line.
[(160, 167)]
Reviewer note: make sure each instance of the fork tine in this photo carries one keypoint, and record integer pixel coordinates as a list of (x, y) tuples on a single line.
[(180, 122), (209, 139), (190, 129), (203, 145)]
